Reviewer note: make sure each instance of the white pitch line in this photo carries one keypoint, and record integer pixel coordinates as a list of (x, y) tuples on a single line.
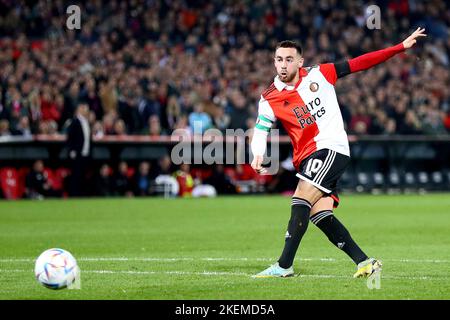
[(203, 273), (214, 273), (7, 260)]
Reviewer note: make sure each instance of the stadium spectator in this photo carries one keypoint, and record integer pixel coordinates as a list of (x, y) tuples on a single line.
[(220, 181), (221, 119), (108, 95), (185, 180), (93, 100), (239, 113), (447, 121), (97, 130), (411, 124), (173, 111), (123, 185), (4, 112), (23, 127), (104, 181), (71, 100), (433, 122), (120, 128), (379, 120), (148, 106), (154, 127), (182, 126), (52, 127), (361, 121), (48, 127), (49, 108), (37, 183), (142, 179), (164, 182), (4, 128), (109, 120), (199, 121), (79, 148), (164, 166)]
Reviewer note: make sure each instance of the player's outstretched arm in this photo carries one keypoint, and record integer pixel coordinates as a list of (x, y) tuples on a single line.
[(370, 59)]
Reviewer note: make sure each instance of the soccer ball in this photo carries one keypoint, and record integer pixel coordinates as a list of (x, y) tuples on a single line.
[(56, 269)]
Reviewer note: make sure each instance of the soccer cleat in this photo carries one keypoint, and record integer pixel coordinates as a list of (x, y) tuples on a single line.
[(275, 271), (367, 268)]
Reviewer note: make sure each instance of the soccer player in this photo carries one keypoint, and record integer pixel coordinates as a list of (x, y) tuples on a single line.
[(304, 100)]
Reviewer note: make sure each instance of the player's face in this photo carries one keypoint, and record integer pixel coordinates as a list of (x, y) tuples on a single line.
[(287, 62)]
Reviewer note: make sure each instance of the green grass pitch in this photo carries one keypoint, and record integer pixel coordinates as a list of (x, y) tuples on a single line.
[(209, 248)]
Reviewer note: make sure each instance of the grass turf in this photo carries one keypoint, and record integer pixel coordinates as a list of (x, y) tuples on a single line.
[(208, 248)]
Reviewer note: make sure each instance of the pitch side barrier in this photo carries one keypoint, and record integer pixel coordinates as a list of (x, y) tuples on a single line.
[(379, 163)]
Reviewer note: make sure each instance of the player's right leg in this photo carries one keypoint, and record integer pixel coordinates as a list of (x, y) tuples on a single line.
[(322, 216), (304, 195)]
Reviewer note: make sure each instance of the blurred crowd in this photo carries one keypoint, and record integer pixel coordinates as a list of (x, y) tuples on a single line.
[(150, 67), (137, 179)]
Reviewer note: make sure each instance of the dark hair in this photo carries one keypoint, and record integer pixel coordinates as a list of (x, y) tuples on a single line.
[(290, 44)]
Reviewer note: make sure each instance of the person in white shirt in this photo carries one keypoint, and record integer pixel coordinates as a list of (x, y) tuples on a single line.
[(79, 147)]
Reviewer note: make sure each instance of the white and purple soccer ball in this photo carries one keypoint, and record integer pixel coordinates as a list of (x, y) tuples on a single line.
[(56, 269)]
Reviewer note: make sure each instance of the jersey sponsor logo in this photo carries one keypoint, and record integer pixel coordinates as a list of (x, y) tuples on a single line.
[(306, 114)]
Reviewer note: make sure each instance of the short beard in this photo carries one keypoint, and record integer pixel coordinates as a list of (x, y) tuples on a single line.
[(289, 77)]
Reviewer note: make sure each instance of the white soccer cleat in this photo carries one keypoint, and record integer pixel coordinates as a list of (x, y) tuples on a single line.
[(275, 271)]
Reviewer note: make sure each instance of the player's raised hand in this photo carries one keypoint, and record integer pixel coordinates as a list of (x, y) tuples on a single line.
[(411, 40), (257, 165)]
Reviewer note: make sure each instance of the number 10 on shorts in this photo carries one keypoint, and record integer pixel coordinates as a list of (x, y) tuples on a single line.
[(313, 166)]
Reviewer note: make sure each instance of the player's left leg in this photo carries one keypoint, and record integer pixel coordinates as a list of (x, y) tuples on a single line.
[(322, 216)]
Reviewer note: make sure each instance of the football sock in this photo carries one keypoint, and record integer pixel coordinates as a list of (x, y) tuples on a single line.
[(338, 235), (296, 229)]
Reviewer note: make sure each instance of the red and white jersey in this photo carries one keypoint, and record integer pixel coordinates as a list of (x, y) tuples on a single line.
[(309, 111)]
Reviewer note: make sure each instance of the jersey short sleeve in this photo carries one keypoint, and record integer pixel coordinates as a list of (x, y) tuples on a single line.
[(334, 71), (329, 72)]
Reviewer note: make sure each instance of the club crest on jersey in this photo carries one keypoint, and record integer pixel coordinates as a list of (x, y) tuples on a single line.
[(309, 113), (314, 86)]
